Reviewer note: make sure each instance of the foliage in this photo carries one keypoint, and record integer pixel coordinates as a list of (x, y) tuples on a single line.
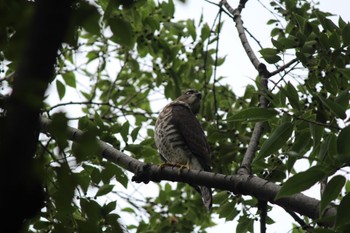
[(120, 56)]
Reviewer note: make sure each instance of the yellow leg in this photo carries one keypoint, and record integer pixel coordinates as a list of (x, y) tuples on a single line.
[(180, 166)]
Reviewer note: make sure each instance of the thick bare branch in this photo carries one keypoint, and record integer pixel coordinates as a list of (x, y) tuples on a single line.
[(241, 33), (264, 75), (242, 184), (259, 126)]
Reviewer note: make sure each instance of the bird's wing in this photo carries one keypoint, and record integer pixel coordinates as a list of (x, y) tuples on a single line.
[(188, 125)]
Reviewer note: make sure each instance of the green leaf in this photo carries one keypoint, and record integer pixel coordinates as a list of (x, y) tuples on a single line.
[(135, 132), (277, 139), (124, 132), (152, 23), (272, 21), (92, 210), (98, 120), (227, 210), (302, 57), (343, 213), (220, 197), (324, 41), (106, 209), (334, 107), (270, 55), (109, 8), (301, 142), (58, 129), (343, 99), (245, 224), (191, 28), (301, 181), (205, 32), (83, 180), (324, 149), (277, 44), (65, 191), (134, 148), (345, 72), (292, 96), (115, 128), (88, 16), (317, 133), (334, 40), (346, 35), (287, 43), (341, 23), (106, 188), (113, 170), (61, 89), (168, 8), (122, 32), (332, 190), (69, 79), (343, 145), (148, 151), (254, 114)]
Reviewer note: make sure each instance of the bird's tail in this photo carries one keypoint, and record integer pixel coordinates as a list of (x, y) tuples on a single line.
[(207, 197)]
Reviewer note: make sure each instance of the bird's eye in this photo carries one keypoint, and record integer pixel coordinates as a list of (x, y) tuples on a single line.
[(189, 92)]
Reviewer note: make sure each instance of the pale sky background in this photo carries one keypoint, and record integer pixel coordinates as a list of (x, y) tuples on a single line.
[(239, 73)]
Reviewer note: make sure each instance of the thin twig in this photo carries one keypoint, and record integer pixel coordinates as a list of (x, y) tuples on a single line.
[(215, 69), (301, 222), (253, 37), (312, 122), (282, 68), (323, 184), (77, 103)]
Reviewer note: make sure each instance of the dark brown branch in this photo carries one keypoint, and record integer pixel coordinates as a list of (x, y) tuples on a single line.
[(239, 184), (259, 126), (262, 207), (300, 221), (78, 103), (282, 68), (264, 75)]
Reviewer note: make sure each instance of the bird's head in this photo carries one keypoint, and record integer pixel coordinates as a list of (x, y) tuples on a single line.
[(192, 98)]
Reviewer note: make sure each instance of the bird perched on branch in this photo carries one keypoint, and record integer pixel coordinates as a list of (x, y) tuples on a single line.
[(180, 139)]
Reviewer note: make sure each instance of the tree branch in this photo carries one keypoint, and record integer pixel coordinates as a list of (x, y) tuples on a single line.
[(242, 184), (301, 222), (262, 207), (241, 32), (264, 75), (280, 69), (259, 126)]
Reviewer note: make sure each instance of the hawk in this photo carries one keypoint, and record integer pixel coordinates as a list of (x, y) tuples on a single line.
[(180, 139)]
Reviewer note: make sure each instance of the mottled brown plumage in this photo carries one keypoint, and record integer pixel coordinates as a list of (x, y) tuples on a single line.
[(180, 139)]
